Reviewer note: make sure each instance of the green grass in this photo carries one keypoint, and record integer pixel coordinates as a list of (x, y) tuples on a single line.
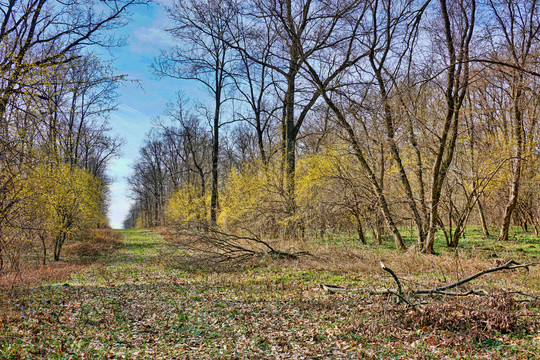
[(141, 303), (519, 244)]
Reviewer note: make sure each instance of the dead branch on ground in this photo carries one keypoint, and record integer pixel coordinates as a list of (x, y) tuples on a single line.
[(442, 290), (509, 265), (214, 245), (396, 279)]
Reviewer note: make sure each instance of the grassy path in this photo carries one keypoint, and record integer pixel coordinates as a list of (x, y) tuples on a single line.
[(141, 246), (139, 304), (121, 307)]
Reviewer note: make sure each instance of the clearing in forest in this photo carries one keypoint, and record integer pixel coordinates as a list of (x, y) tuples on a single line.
[(142, 302)]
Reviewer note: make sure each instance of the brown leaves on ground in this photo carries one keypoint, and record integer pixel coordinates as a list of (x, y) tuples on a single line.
[(144, 305), (477, 317), (32, 275)]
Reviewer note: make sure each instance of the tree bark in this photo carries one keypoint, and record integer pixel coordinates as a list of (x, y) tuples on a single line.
[(483, 219), (516, 162), (456, 88), (214, 197)]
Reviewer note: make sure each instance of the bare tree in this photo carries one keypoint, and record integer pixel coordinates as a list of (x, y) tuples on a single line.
[(458, 20), (189, 143), (254, 81), (43, 48), (36, 34), (516, 26), (203, 55)]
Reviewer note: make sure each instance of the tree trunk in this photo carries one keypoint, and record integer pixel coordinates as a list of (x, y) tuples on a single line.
[(516, 162), (58, 243), (289, 137), (390, 133), (260, 137), (456, 88), (44, 260), (483, 219), (360, 229), (214, 197)]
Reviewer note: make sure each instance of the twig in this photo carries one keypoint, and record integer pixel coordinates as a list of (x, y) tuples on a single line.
[(332, 289), (523, 266), (523, 294), (401, 297)]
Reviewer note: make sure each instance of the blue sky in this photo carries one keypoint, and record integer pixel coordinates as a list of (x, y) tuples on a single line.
[(141, 100)]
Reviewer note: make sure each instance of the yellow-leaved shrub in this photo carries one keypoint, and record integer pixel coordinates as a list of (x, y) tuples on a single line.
[(187, 205), (318, 195), (250, 199), (65, 201)]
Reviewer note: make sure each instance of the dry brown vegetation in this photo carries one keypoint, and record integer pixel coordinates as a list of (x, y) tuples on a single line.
[(79, 255), (97, 242), (32, 275), (504, 310)]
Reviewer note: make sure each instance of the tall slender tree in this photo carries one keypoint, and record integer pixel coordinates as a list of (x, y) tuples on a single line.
[(202, 54)]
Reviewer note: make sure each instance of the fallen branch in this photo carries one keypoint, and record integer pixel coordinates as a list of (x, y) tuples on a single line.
[(537, 298), (333, 289), (523, 266), (509, 265), (441, 290), (480, 292), (402, 298), (214, 245), (387, 269)]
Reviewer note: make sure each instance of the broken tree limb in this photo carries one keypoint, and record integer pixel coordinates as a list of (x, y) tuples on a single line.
[(442, 290), (480, 292), (387, 269), (401, 298), (408, 297), (537, 298), (210, 245), (526, 266), (509, 265)]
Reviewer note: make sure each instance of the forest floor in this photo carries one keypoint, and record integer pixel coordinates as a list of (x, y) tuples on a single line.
[(142, 302)]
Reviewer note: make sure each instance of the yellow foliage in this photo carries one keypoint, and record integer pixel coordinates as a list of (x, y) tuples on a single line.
[(65, 198), (247, 194), (188, 204), (253, 197), (139, 223), (312, 174)]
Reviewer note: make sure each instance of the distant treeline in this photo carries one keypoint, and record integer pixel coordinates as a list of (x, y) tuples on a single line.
[(347, 116)]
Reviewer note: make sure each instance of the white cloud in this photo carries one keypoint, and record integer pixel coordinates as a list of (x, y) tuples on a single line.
[(150, 37), (149, 40)]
